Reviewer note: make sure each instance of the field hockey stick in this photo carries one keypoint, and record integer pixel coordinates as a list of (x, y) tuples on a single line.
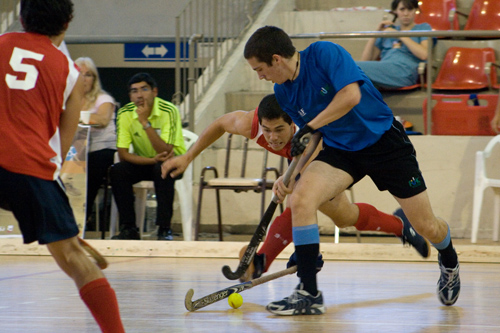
[(290, 173), (238, 288), (99, 259)]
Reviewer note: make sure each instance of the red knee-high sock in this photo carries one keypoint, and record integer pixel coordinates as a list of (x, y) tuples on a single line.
[(278, 237), (100, 298), (374, 220)]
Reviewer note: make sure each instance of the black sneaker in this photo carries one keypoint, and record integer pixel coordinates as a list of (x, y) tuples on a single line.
[(299, 303), (411, 237), (165, 234), (256, 267), (128, 233), (448, 286)]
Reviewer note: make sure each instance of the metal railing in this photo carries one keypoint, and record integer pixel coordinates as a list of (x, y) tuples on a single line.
[(206, 33), (369, 34), (9, 14)]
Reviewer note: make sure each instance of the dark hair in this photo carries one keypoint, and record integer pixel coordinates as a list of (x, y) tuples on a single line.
[(410, 4), (267, 41), (46, 17), (142, 77), (270, 109)]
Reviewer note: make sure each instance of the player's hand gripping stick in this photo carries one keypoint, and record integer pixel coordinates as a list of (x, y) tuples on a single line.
[(300, 140)]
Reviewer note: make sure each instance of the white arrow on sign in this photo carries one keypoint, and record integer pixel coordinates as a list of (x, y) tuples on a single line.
[(149, 51)]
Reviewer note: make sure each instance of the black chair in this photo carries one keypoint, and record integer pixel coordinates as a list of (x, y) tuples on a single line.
[(238, 184)]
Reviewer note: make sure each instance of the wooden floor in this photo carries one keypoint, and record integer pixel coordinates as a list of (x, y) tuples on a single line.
[(35, 296)]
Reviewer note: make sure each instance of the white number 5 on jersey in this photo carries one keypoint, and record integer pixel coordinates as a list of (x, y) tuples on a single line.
[(15, 62)]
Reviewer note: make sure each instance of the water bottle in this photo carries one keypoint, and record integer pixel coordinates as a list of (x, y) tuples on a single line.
[(151, 206)]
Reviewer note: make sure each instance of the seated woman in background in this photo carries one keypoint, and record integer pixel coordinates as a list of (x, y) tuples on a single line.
[(103, 132), (399, 57)]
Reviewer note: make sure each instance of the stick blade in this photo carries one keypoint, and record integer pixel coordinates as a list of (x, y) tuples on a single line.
[(247, 257), (230, 275), (188, 301)]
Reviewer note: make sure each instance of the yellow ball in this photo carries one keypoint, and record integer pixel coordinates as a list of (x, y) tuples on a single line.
[(235, 300)]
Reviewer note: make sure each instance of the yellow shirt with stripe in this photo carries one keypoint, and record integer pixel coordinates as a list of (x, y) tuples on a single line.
[(165, 120)]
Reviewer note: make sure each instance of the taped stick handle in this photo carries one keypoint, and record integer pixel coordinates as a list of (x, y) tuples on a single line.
[(299, 161), (272, 276)]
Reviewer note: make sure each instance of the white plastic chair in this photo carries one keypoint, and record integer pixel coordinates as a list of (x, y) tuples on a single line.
[(183, 188), (481, 182)]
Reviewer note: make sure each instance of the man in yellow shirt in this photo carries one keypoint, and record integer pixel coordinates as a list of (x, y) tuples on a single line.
[(153, 127)]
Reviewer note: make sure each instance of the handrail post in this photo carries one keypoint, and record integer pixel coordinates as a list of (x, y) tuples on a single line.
[(176, 98), (192, 78), (429, 85)]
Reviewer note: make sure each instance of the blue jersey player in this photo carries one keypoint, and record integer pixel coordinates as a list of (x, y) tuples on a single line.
[(322, 89)]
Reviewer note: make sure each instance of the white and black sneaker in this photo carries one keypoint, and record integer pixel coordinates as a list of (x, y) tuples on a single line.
[(448, 286), (299, 303)]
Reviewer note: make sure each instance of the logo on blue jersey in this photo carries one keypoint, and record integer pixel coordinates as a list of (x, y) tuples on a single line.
[(325, 90), (414, 182), (302, 112)]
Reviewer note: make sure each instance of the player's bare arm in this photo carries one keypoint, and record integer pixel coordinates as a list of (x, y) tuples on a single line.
[(70, 116), (343, 102), (236, 122)]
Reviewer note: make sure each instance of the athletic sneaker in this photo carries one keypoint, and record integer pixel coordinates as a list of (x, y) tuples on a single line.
[(256, 267), (299, 303), (411, 237), (165, 234), (128, 233), (448, 287)]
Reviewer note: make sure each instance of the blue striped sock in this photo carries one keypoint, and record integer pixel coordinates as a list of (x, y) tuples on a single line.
[(445, 242), (308, 234)]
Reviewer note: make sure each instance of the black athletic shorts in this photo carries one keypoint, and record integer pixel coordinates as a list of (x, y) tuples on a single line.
[(40, 206), (391, 163)]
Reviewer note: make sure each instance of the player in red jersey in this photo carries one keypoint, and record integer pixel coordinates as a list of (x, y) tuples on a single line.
[(273, 129), (41, 100)]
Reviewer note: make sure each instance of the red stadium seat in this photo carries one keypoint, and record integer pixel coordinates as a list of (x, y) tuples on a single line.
[(437, 13), (457, 115), (465, 69), (484, 15)]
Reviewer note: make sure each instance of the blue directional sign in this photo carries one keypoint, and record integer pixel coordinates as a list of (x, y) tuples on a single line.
[(154, 52)]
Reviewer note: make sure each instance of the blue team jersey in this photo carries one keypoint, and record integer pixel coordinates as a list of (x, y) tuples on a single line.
[(326, 68)]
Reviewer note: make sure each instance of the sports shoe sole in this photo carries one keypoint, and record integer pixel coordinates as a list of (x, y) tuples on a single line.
[(300, 312)]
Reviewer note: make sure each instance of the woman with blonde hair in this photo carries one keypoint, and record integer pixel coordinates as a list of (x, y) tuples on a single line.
[(102, 148)]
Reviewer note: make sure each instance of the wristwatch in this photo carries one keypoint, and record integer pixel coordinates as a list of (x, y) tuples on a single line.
[(148, 125)]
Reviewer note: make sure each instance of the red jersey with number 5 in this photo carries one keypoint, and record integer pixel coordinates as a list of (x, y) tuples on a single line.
[(36, 79)]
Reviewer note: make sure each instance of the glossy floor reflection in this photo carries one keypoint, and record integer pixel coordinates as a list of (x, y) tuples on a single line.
[(360, 297)]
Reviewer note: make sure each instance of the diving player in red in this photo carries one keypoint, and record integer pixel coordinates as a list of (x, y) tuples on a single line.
[(273, 129)]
